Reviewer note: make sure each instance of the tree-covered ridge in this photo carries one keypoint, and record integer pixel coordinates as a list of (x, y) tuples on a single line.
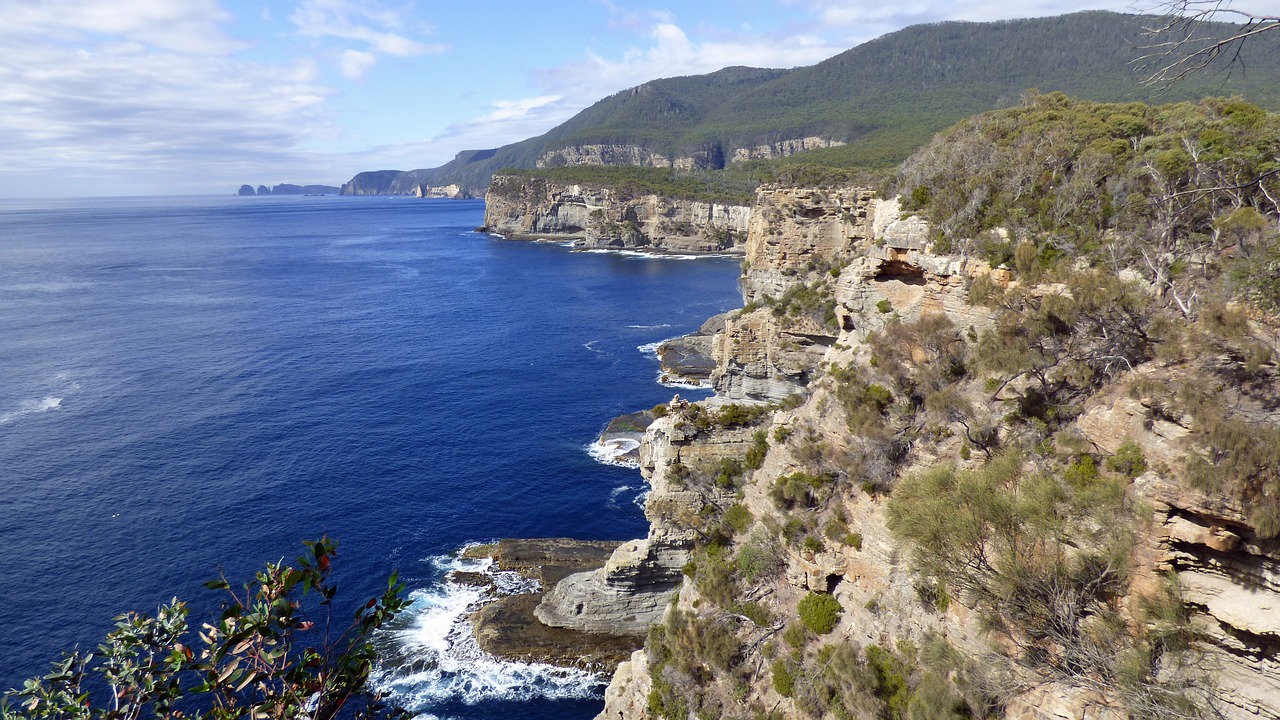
[(1155, 188), (884, 98)]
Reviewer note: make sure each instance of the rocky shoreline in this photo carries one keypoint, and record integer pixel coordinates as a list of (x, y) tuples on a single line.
[(507, 627), (828, 271)]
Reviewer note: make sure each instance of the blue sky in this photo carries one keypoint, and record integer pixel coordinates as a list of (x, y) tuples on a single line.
[(198, 96)]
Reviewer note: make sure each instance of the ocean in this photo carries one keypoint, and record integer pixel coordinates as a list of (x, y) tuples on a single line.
[(192, 386)]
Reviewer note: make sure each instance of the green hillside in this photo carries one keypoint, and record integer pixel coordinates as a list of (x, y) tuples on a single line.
[(884, 98)]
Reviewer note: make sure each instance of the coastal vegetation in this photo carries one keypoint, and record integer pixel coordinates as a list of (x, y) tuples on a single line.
[(274, 650), (1132, 254)]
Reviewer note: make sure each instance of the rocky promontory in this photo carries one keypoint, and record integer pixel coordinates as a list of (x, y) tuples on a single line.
[(508, 628), (779, 495), (534, 208)]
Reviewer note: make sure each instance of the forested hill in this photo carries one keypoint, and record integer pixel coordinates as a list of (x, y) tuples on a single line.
[(883, 98)]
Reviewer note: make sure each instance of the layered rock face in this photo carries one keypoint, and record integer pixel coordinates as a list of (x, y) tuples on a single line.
[(781, 149), (1229, 578), (766, 357), (797, 234), (713, 157), (603, 155), (633, 589), (534, 208), (452, 192), (795, 237)]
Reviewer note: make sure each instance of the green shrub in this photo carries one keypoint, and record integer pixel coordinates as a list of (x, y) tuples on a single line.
[(813, 544), (660, 410), (759, 557), (795, 636), (836, 529), (884, 306), (798, 488), (933, 593), (820, 612), (728, 472), (734, 415), (1083, 473), (713, 574), (260, 656), (1128, 460), (889, 679), (754, 611), (738, 517), (784, 681), (757, 451)]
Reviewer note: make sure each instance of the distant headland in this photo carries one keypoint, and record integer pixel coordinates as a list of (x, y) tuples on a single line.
[(287, 189)]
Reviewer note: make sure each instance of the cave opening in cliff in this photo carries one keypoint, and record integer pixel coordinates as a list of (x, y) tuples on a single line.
[(901, 271), (833, 581)]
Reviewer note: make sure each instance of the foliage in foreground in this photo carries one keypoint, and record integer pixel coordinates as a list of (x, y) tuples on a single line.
[(270, 653)]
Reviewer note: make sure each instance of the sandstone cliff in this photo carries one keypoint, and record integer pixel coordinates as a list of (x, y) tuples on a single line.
[(711, 158), (379, 182), (603, 155), (630, 593), (451, 191), (832, 277), (599, 217)]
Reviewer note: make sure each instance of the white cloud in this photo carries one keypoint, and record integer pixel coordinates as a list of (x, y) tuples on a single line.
[(378, 30), (670, 52), (664, 49), (150, 91), (189, 27), (355, 63)]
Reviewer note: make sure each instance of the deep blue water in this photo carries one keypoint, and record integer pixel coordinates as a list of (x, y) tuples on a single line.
[(189, 385)]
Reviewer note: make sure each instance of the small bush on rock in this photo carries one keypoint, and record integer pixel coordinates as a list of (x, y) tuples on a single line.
[(820, 612)]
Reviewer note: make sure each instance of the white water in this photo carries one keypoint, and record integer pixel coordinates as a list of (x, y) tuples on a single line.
[(610, 452), (442, 662), (31, 407)]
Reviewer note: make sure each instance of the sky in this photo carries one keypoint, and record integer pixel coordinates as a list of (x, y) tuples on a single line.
[(175, 97)]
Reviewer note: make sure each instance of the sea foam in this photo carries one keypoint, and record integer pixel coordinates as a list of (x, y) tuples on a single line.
[(610, 452), (31, 407), (439, 660)]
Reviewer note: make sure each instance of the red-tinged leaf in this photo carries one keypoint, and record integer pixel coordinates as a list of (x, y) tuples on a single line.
[(323, 563)]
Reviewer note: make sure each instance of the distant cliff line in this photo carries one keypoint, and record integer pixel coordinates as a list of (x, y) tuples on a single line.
[(868, 107)]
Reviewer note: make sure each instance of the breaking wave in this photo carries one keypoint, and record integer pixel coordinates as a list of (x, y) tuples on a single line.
[(645, 255), (435, 659), (611, 452), (31, 407)]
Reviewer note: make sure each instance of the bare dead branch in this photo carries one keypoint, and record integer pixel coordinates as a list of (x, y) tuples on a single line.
[(1180, 46)]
